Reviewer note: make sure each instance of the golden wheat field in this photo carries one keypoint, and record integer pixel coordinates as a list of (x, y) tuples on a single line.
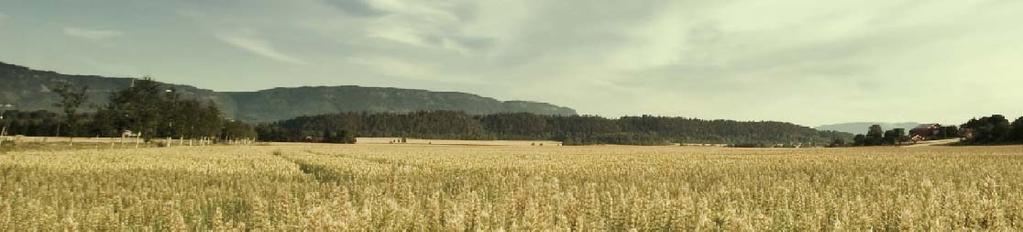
[(512, 188)]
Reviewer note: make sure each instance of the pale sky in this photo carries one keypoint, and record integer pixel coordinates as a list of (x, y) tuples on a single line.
[(809, 62)]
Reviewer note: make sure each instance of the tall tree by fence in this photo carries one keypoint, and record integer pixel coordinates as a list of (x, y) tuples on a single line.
[(145, 107), (70, 99)]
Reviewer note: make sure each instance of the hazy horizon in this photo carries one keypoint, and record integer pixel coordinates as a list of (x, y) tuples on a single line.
[(806, 62)]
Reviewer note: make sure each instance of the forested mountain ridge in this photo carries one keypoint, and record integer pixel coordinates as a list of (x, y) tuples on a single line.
[(286, 103), (27, 89)]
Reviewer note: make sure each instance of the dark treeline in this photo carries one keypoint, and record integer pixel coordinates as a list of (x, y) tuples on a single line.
[(34, 123), (995, 129), (145, 108), (877, 136), (572, 130)]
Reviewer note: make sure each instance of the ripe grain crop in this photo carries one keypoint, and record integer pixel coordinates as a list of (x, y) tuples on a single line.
[(484, 188)]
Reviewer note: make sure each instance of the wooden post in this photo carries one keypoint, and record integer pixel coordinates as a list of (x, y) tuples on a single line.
[(137, 140), (3, 134)]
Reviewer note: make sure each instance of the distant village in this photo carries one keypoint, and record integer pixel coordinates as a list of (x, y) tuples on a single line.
[(990, 130)]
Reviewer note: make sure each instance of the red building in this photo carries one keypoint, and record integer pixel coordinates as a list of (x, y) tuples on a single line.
[(925, 132)]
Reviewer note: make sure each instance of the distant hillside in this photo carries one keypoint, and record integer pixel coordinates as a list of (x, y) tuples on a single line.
[(286, 103), (861, 127), (29, 89)]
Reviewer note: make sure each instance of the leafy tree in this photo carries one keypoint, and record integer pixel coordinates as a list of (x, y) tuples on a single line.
[(1016, 133), (346, 137), (328, 136), (235, 130), (137, 108), (155, 111), (208, 121), (145, 107), (174, 115), (516, 125), (891, 137), (31, 123), (948, 132), (860, 140), (988, 130), (70, 99), (875, 135), (1000, 128), (895, 136), (838, 142), (902, 136)]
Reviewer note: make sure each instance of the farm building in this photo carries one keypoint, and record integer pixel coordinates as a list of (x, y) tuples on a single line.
[(925, 132), (934, 132)]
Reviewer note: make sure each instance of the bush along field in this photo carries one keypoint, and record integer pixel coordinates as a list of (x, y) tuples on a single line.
[(485, 188)]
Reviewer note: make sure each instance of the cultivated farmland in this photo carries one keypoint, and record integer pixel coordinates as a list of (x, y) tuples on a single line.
[(444, 187)]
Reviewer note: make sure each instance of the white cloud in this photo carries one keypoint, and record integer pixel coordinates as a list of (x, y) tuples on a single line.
[(258, 46), (92, 34)]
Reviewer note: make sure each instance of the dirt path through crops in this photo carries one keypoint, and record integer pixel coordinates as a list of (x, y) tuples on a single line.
[(935, 143)]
